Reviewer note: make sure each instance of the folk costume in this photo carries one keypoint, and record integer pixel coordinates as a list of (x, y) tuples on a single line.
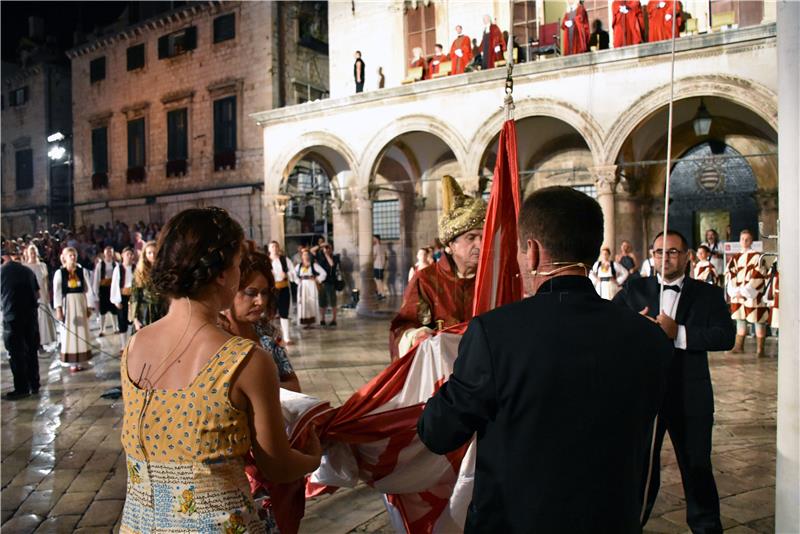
[(575, 28), (492, 46), (146, 304), (628, 22), (121, 289), (44, 314), (771, 296), (716, 256), (460, 54), (102, 288), (73, 293), (608, 278), (438, 297), (704, 272), (746, 281), (659, 15), (308, 293), (283, 271)]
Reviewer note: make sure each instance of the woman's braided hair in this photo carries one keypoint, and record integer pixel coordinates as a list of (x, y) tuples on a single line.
[(194, 247)]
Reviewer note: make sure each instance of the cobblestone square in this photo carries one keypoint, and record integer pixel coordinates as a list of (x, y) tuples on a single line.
[(63, 469)]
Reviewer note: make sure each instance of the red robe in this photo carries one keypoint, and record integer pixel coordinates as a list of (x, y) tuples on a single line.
[(660, 20), (419, 63), (464, 44), (495, 37), (580, 32), (628, 27), (435, 293), (433, 65)]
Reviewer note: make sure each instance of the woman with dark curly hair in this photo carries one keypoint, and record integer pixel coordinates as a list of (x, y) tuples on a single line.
[(254, 305), (146, 305), (197, 400)]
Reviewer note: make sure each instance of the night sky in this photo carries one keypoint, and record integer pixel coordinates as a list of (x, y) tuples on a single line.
[(60, 19)]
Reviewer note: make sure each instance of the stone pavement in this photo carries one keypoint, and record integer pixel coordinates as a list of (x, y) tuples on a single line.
[(63, 470)]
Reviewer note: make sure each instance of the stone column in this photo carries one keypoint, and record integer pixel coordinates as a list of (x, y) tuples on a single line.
[(277, 218), (605, 179), (767, 214), (787, 476), (367, 302)]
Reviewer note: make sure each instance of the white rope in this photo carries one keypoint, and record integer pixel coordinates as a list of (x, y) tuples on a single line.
[(663, 241), (669, 155)]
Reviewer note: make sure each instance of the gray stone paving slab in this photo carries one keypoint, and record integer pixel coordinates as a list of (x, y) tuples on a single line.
[(63, 470)]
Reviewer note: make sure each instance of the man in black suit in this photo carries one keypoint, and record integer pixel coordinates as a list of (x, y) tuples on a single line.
[(561, 408), (695, 316)]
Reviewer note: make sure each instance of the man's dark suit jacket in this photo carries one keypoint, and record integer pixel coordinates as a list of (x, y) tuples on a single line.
[(702, 310), (562, 389)]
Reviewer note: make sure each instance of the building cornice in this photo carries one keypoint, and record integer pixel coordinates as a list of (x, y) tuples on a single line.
[(163, 21), (535, 69)]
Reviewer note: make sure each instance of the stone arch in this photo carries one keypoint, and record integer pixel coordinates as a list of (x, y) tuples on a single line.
[(412, 123), (583, 122), (321, 142), (746, 93)]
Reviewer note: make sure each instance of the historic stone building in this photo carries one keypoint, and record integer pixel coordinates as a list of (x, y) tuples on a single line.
[(161, 107), (595, 121), (36, 104)]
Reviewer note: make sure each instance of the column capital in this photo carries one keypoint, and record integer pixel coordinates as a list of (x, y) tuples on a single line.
[(767, 200), (280, 202), (605, 178)]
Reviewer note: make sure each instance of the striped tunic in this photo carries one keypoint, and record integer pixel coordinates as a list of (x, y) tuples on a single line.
[(746, 280)]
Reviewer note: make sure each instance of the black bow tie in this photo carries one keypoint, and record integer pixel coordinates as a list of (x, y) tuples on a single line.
[(676, 289)]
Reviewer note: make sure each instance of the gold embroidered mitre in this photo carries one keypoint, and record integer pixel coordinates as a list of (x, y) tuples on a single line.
[(460, 213)]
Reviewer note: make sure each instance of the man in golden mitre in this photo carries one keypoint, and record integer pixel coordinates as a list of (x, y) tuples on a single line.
[(440, 295)]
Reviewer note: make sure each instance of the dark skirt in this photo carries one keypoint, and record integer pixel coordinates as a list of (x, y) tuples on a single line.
[(105, 301)]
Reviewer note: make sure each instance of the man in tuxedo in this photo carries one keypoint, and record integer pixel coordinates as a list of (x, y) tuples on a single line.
[(561, 408), (695, 317)]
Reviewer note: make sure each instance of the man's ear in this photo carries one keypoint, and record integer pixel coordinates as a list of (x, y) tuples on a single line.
[(533, 254)]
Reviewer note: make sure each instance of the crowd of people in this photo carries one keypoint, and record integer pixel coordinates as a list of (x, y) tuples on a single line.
[(207, 332)]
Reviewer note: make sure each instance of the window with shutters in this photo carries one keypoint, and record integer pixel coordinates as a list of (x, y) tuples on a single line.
[(136, 151), (97, 69), (225, 133), (136, 57), (100, 158), (525, 27), (24, 161), (177, 142), (420, 25), (224, 27), (177, 43), (18, 97)]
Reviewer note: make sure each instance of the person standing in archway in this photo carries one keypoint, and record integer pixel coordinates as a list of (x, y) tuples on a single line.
[(746, 284), (715, 249), (441, 295), (460, 52)]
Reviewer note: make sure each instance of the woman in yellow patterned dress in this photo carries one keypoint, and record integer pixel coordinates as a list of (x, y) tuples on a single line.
[(196, 399)]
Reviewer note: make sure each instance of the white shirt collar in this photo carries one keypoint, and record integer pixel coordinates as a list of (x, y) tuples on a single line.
[(678, 282)]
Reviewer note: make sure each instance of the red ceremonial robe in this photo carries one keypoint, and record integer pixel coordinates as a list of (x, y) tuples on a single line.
[(628, 27), (435, 293), (464, 44), (580, 31), (659, 15), (433, 65), (419, 63), (495, 37)]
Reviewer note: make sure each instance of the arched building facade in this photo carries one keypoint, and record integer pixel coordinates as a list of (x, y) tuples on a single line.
[(594, 122)]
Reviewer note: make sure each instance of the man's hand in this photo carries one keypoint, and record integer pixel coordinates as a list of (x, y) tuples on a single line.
[(60, 315), (119, 306), (421, 336), (497, 48), (89, 312), (568, 23), (668, 325), (623, 9), (668, 17), (459, 52), (138, 324), (643, 313)]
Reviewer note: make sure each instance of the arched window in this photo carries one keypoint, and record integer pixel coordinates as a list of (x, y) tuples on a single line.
[(308, 211)]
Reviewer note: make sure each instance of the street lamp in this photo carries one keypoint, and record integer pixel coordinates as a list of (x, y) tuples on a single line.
[(57, 151), (702, 121)]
